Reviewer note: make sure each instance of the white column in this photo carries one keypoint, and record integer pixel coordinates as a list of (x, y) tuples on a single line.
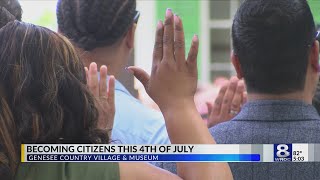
[(145, 34), (205, 42)]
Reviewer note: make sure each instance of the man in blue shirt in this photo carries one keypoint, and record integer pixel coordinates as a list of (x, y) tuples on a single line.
[(103, 32)]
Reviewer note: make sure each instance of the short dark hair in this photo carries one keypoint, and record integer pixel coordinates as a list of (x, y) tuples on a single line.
[(272, 39), (90, 24)]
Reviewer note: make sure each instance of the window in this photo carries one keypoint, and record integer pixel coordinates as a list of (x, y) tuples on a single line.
[(217, 25)]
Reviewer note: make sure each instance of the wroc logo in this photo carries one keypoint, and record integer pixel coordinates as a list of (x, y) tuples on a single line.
[(282, 152)]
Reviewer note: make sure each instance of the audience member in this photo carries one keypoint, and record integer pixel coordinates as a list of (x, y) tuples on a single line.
[(44, 99), (103, 32), (276, 52)]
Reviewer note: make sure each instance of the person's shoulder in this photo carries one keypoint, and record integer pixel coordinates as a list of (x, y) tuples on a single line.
[(224, 132), (229, 125), (126, 103), (74, 171), (108, 170), (134, 119)]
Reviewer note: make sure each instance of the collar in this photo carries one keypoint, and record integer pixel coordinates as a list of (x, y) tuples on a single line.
[(275, 110), (120, 87)]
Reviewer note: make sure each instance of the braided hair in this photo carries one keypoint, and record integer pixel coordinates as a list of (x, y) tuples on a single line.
[(5, 16), (90, 24), (13, 7)]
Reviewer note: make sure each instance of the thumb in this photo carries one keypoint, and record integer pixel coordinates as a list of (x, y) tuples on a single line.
[(140, 74)]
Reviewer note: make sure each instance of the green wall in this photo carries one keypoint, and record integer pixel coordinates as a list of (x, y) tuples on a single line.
[(315, 7), (189, 11)]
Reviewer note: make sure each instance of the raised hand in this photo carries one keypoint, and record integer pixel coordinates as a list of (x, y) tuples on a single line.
[(104, 97), (173, 78), (172, 86), (228, 102)]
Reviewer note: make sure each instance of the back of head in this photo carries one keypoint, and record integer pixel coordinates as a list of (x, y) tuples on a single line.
[(43, 93), (90, 24), (272, 39)]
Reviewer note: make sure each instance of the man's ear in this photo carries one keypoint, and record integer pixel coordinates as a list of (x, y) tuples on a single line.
[(129, 38), (314, 56), (236, 64)]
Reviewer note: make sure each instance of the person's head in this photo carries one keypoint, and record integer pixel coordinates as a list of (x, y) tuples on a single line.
[(43, 93), (93, 25), (274, 46)]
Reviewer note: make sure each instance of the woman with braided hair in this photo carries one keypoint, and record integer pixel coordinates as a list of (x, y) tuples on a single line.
[(103, 31)]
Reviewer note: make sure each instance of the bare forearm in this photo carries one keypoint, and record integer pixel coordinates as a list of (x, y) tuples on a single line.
[(185, 116), (184, 124)]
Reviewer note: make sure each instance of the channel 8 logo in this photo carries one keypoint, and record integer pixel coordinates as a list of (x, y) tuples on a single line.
[(282, 152)]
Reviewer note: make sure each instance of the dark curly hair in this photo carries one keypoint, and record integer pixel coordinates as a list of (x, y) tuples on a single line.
[(43, 93), (95, 23)]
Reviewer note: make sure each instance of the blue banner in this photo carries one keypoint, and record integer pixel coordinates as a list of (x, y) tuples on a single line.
[(143, 157)]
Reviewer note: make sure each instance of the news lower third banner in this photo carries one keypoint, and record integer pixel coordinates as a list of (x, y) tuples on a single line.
[(170, 153)]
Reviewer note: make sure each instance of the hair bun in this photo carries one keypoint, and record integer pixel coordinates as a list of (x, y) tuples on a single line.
[(95, 23), (5, 16)]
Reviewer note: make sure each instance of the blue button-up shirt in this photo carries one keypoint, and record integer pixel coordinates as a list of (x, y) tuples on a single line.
[(135, 123)]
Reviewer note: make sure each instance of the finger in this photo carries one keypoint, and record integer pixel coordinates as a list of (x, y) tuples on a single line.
[(218, 101), (227, 99), (103, 81), (244, 98), (111, 90), (87, 74), (158, 45), (193, 53), (168, 38), (210, 107), (245, 87), (140, 74), (237, 99), (179, 41), (93, 79), (245, 94)]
